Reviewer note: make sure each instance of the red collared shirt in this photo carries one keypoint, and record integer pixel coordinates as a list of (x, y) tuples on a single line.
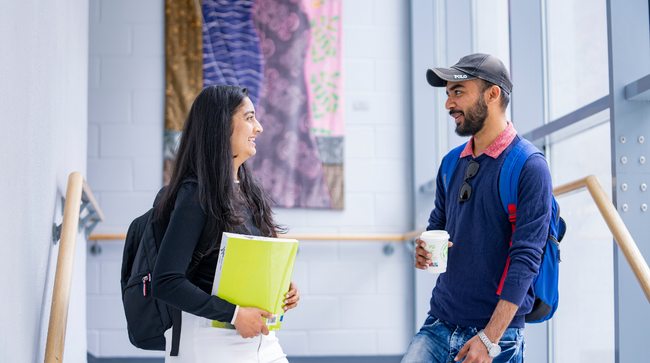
[(497, 147)]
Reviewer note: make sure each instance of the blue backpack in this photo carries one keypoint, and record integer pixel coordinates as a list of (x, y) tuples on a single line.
[(545, 284)]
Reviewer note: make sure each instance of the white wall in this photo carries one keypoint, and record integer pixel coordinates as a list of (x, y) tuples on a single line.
[(355, 300), (43, 73)]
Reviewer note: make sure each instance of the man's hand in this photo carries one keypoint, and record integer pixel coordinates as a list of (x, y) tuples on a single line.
[(474, 351), (421, 255), (249, 322), (292, 297)]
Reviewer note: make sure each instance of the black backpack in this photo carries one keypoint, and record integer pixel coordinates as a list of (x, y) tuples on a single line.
[(148, 318)]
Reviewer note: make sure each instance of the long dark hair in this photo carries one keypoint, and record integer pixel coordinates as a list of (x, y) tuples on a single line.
[(205, 154)]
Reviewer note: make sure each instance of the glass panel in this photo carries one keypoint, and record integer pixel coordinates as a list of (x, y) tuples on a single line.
[(584, 322), (577, 54), (578, 74)]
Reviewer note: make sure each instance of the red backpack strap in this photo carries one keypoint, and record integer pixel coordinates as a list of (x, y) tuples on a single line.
[(512, 215)]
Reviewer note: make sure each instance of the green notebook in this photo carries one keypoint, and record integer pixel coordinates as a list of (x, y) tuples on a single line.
[(255, 271)]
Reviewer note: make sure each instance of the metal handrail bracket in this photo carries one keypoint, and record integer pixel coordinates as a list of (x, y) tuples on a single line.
[(89, 221)]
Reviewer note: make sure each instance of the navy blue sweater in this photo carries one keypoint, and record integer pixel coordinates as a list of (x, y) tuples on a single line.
[(479, 228)]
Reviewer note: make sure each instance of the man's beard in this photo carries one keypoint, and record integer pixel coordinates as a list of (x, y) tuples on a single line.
[(473, 118)]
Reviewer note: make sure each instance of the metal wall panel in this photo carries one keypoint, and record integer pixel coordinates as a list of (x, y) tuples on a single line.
[(629, 61)]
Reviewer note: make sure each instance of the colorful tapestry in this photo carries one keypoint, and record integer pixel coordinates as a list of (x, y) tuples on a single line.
[(183, 70), (288, 54), (323, 67)]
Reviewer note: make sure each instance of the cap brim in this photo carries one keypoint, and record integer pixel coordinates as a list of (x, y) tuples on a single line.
[(438, 77)]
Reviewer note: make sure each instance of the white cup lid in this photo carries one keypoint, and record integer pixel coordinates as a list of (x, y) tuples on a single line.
[(435, 234)]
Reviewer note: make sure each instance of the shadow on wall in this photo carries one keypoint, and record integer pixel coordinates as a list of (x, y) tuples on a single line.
[(377, 359)]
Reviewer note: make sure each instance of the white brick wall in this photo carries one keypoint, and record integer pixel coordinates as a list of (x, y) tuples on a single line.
[(355, 300), (125, 113)]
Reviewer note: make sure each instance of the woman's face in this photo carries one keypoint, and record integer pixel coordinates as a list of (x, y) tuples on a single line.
[(245, 129)]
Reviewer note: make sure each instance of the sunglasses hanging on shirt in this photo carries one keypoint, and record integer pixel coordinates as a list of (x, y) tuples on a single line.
[(466, 189)]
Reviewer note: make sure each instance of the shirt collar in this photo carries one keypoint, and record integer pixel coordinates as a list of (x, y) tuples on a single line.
[(497, 147)]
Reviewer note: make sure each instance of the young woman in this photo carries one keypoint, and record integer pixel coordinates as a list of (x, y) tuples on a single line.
[(212, 190)]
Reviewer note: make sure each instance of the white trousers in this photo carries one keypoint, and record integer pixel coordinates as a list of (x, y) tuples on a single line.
[(201, 343)]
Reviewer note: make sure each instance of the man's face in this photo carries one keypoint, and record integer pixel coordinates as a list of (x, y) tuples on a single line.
[(466, 104)]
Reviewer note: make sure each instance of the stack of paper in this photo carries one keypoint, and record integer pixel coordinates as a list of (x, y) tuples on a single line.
[(256, 272)]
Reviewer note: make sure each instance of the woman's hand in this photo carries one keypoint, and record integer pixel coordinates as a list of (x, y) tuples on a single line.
[(422, 256), (249, 322), (292, 297)]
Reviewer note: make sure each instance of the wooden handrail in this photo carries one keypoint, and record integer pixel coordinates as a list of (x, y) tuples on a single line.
[(616, 226), (605, 206), (65, 261), (386, 237)]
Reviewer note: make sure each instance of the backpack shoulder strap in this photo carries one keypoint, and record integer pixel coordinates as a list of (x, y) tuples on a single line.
[(508, 185), (177, 321), (449, 164), (510, 172)]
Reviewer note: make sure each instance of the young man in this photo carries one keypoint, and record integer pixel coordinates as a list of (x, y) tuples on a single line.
[(468, 316)]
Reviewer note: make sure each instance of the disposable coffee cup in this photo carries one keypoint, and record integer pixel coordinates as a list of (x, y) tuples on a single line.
[(438, 246)]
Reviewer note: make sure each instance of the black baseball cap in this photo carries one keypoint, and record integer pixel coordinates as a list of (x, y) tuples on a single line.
[(484, 66)]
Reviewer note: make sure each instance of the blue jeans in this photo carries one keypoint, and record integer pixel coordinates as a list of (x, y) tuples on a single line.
[(439, 341)]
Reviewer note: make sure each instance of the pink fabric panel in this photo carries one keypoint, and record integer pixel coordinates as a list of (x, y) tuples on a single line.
[(324, 67)]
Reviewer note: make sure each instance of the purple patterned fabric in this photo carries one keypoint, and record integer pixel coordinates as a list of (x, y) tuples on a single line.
[(231, 47), (262, 45), (287, 161)]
